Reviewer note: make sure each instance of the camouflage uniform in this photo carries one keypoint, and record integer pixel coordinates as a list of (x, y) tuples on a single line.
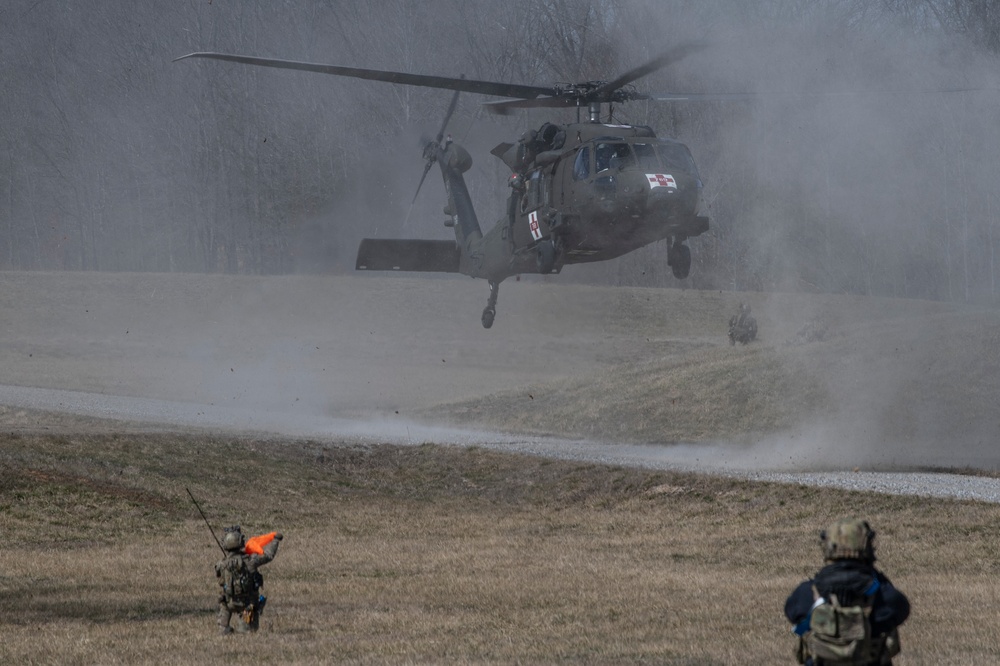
[(850, 578), (246, 599), (742, 326)]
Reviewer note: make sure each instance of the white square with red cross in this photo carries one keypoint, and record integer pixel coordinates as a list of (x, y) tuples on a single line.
[(661, 180), (536, 231)]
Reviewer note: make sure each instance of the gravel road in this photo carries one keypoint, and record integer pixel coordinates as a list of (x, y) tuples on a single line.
[(711, 459)]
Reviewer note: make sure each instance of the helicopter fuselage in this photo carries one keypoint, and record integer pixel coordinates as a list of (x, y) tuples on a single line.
[(594, 192)]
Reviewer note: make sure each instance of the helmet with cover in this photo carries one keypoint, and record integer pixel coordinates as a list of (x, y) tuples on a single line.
[(233, 539), (848, 539)]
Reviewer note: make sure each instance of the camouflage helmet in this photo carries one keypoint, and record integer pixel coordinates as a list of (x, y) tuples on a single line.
[(848, 539), (233, 539)]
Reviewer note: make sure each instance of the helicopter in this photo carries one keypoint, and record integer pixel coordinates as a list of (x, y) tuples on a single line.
[(579, 192)]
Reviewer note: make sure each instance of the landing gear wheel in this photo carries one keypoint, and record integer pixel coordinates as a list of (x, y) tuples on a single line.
[(545, 257), (490, 311), (679, 258)]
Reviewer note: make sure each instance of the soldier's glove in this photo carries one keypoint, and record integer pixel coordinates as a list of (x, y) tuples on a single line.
[(279, 536)]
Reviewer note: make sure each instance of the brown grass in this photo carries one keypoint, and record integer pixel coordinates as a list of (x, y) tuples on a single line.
[(905, 375), (441, 555), (701, 394)]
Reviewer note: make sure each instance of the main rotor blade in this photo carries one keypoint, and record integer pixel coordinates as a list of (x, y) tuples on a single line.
[(444, 82), (673, 55), (702, 97), (727, 97), (506, 106), (602, 93)]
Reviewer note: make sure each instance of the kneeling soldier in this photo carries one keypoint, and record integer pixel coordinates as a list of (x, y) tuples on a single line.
[(848, 613)]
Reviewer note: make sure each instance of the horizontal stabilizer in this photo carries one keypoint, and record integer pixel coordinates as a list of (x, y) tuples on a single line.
[(381, 254), (501, 149)]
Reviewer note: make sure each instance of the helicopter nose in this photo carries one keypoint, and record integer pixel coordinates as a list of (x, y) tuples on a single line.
[(669, 193)]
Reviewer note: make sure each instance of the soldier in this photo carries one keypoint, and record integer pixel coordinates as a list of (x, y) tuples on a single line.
[(848, 613), (742, 327), (241, 582)]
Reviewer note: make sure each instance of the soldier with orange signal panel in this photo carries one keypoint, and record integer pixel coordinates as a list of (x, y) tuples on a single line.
[(240, 579)]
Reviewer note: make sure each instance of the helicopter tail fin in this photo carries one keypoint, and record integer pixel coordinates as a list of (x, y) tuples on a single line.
[(384, 254)]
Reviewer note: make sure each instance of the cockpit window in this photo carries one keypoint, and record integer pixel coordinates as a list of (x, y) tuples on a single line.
[(581, 167), (646, 156), (613, 155), (536, 191), (676, 156)]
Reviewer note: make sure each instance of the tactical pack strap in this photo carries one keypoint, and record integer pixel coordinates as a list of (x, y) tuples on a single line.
[(873, 588), (802, 628)]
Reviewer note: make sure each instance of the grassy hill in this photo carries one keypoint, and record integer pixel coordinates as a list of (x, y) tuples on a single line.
[(884, 378)]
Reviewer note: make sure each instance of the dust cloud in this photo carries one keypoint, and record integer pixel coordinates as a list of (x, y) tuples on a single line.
[(862, 161), (872, 157)]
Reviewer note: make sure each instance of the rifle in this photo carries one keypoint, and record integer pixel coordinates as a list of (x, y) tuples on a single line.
[(219, 543)]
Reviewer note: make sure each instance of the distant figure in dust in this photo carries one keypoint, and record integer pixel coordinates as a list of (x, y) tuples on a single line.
[(239, 579), (849, 612), (742, 326)]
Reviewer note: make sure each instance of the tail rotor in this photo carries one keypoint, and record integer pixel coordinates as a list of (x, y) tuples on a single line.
[(432, 149)]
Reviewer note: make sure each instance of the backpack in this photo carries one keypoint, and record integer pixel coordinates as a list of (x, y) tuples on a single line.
[(843, 634), (237, 580)]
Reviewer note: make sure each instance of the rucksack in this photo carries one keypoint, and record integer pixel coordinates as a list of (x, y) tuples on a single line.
[(843, 634), (237, 580)]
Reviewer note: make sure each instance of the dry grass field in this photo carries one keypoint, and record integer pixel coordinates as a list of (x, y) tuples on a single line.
[(431, 554), (445, 554)]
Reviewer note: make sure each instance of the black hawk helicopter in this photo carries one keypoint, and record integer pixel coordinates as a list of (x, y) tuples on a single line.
[(580, 192)]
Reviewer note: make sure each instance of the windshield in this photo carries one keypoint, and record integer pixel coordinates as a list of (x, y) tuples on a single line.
[(676, 156), (613, 155), (646, 155)]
